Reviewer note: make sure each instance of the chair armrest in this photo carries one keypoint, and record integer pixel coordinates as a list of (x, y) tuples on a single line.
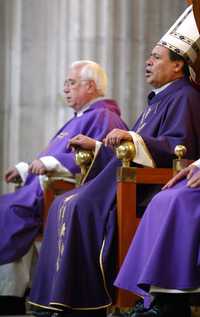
[(58, 184), (127, 220)]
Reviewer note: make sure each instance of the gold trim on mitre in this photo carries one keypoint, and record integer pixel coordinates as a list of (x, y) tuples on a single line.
[(184, 39)]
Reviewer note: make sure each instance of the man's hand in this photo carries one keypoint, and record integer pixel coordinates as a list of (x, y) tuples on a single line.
[(82, 141), (191, 173), (194, 180), (12, 175), (116, 136), (37, 167)]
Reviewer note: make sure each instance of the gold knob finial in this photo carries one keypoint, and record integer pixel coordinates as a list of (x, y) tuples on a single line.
[(126, 153), (83, 158), (180, 151)]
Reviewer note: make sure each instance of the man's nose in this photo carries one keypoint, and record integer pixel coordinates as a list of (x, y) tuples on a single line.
[(149, 61), (66, 89)]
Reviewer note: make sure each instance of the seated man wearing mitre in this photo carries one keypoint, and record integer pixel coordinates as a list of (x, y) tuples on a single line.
[(163, 259)]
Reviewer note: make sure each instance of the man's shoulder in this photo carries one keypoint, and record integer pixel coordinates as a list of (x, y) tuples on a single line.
[(183, 88), (190, 92), (186, 98), (187, 85), (105, 105), (103, 101)]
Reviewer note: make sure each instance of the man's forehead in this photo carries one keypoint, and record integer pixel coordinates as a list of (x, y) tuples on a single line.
[(74, 73), (159, 49)]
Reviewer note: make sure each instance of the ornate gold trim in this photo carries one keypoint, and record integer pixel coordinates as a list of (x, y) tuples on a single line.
[(105, 287), (102, 270), (62, 229), (140, 145), (90, 167), (146, 150), (54, 304), (43, 306), (79, 308)]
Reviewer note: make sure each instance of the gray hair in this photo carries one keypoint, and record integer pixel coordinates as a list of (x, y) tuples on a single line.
[(93, 71)]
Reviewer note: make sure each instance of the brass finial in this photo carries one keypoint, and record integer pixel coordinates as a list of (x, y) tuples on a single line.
[(126, 153), (83, 159), (180, 151), (179, 163)]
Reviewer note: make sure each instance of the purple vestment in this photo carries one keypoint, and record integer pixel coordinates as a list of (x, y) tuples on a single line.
[(76, 266), (165, 251), (20, 216)]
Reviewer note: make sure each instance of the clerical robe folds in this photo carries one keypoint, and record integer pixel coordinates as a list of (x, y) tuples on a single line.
[(76, 267), (20, 216), (169, 240)]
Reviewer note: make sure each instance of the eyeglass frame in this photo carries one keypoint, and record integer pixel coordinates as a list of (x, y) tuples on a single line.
[(72, 82)]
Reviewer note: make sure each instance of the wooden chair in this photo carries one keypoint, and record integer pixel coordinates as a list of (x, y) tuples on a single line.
[(128, 178), (127, 221), (55, 185)]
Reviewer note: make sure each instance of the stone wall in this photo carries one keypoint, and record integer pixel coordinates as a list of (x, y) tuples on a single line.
[(40, 38)]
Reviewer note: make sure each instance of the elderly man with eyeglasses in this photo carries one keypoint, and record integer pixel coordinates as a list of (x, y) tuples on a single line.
[(94, 116)]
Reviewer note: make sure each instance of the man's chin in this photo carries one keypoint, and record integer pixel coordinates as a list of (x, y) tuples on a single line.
[(149, 79), (70, 104)]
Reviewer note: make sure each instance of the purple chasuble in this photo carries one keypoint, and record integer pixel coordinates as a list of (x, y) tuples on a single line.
[(20, 216), (165, 251), (76, 267)]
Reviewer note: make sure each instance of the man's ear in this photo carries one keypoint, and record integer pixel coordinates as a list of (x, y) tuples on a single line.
[(91, 86), (178, 66)]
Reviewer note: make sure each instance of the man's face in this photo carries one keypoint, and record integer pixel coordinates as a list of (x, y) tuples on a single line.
[(159, 68), (77, 91)]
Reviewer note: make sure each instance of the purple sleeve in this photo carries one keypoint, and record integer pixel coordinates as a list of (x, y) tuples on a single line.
[(101, 123), (68, 161), (97, 126), (179, 125)]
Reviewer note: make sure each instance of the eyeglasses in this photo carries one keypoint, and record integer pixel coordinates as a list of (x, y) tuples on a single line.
[(71, 83)]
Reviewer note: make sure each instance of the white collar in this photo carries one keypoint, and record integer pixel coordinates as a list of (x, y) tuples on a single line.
[(157, 90)]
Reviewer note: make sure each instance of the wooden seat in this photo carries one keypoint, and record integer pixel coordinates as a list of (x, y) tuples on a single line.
[(128, 178), (127, 221)]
